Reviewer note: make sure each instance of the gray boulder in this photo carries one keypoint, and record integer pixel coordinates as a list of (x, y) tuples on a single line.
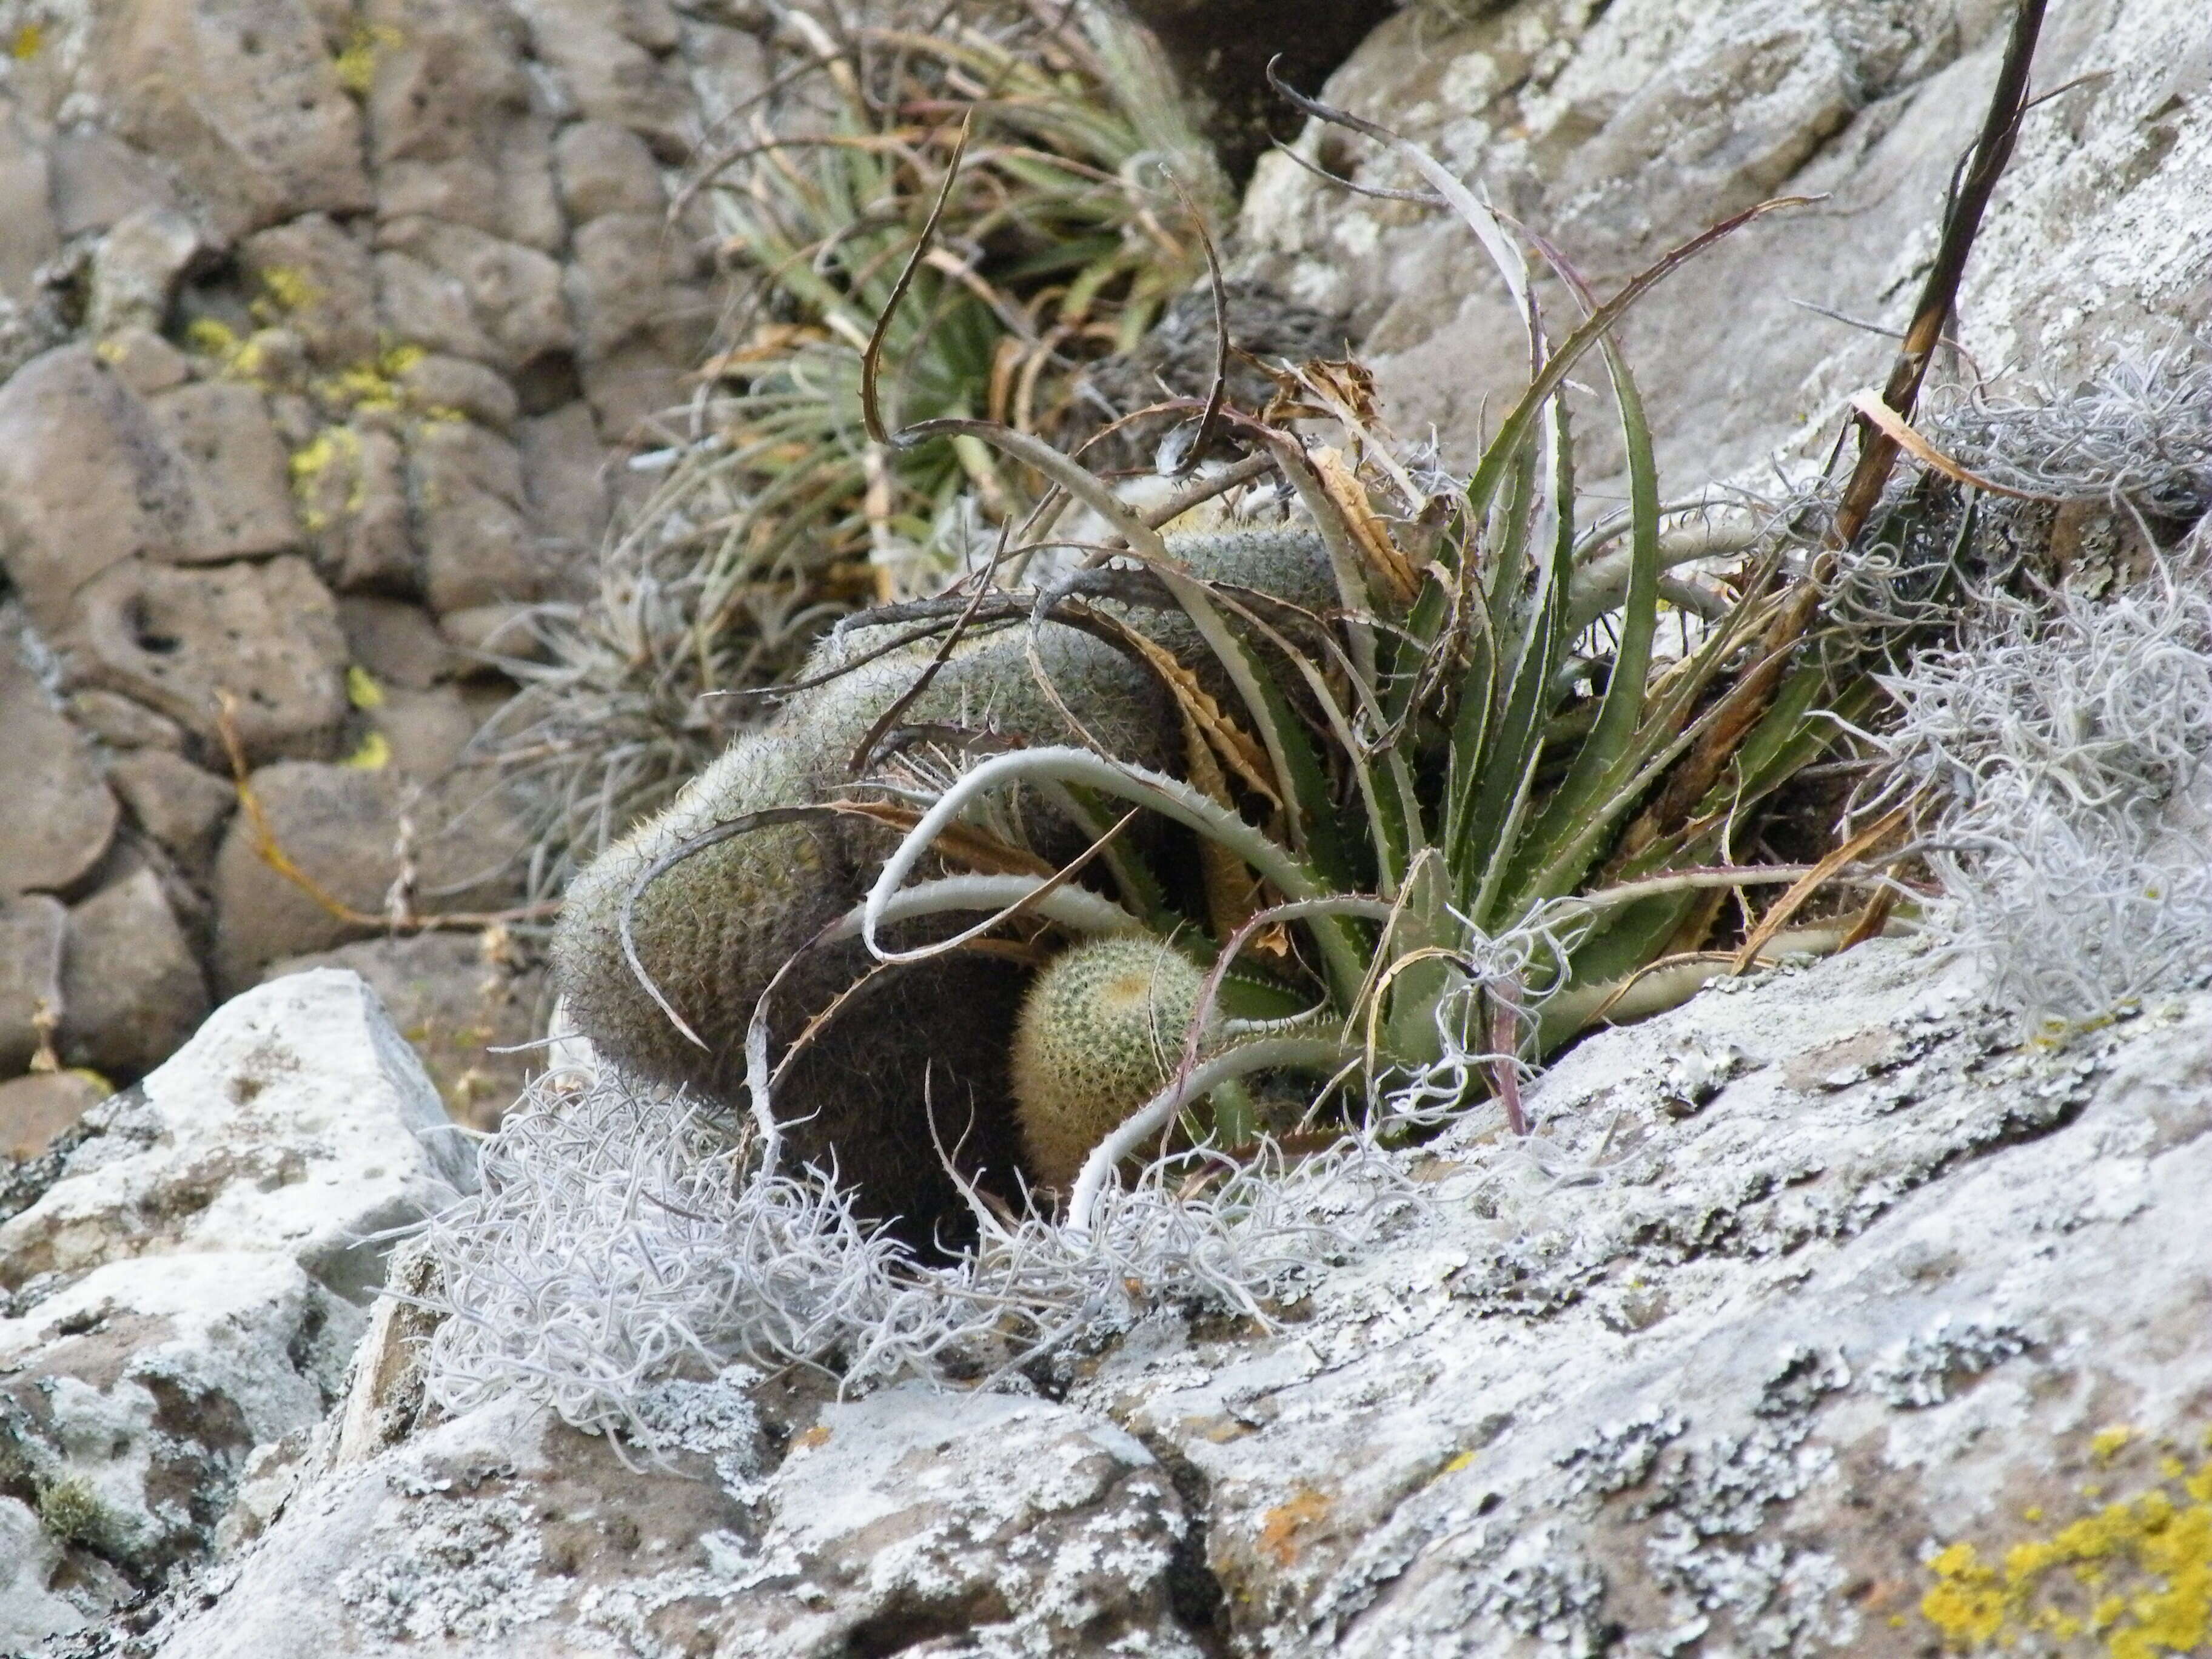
[(184, 1275), (1621, 131)]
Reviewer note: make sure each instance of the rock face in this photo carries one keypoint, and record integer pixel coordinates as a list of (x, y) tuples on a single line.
[(455, 997), (324, 330), (1620, 130), (878, 1526), (183, 1277), (1809, 1307)]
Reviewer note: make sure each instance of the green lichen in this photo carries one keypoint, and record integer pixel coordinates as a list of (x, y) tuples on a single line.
[(71, 1511), (2132, 1579)]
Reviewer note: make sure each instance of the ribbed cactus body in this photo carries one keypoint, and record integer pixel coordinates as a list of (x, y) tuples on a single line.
[(933, 1039), (1101, 1031)]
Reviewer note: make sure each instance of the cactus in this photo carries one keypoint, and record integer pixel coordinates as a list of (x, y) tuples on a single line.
[(1101, 1031), (714, 929)]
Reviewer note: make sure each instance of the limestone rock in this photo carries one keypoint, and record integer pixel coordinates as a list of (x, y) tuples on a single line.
[(36, 1108), (31, 931), (131, 1396), (496, 300), (29, 1558), (343, 826), (1794, 1287), (477, 543), (61, 817), (1622, 130), (628, 278), (565, 496), (398, 643), (25, 191), (242, 101), (85, 479), (132, 990), (603, 168), (1805, 1304), (455, 996), (242, 496), (180, 805), (143, 361), (454, 386), (137, 268), (267, 633), (424, 732), (98, 180), (628, 387), (119, 723), (1003, 1525), (352, 483), (455, 132), (295, 1122), (597, 50), (321, 281), (187, 1285)]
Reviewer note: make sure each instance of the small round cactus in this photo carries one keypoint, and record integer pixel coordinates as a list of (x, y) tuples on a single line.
[(1101, 1032)]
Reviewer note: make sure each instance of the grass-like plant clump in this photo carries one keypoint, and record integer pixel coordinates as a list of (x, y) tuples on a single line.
[(773, 512)]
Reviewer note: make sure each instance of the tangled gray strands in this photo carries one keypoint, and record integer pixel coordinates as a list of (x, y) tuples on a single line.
[(622, 1236), (2069, 742), (2140, 431)]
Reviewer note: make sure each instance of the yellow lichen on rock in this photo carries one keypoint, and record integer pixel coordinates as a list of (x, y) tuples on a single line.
[(355, 62), (2132, 1579), (318, 460), (374, 382), (284, 290)]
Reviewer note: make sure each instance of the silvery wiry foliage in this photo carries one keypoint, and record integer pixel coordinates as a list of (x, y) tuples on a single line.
[(2136, 437), (621, 1236), (2069, 740), (2139, 432)]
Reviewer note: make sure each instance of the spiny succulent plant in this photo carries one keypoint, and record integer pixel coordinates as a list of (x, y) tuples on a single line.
[(712, 930), (1101, 1030)]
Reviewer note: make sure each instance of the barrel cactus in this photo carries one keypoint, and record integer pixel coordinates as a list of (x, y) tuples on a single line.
[(1102, 1029), (920, 1061)]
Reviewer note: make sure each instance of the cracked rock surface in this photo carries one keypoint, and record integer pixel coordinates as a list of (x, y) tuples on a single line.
[(910, 1522), (1806, 1306), (310, 308), (1796, 1287), (1622, 130), (183, 1277)]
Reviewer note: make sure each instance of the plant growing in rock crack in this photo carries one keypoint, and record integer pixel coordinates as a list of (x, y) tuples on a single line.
[(1442, 814), (774, 512), (1424, 787)]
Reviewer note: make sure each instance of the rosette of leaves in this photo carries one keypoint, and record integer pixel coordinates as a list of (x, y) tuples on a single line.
[(1453, 818)]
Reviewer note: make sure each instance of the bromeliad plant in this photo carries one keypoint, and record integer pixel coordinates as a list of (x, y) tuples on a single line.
[(775, 512), (1471, 806)]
